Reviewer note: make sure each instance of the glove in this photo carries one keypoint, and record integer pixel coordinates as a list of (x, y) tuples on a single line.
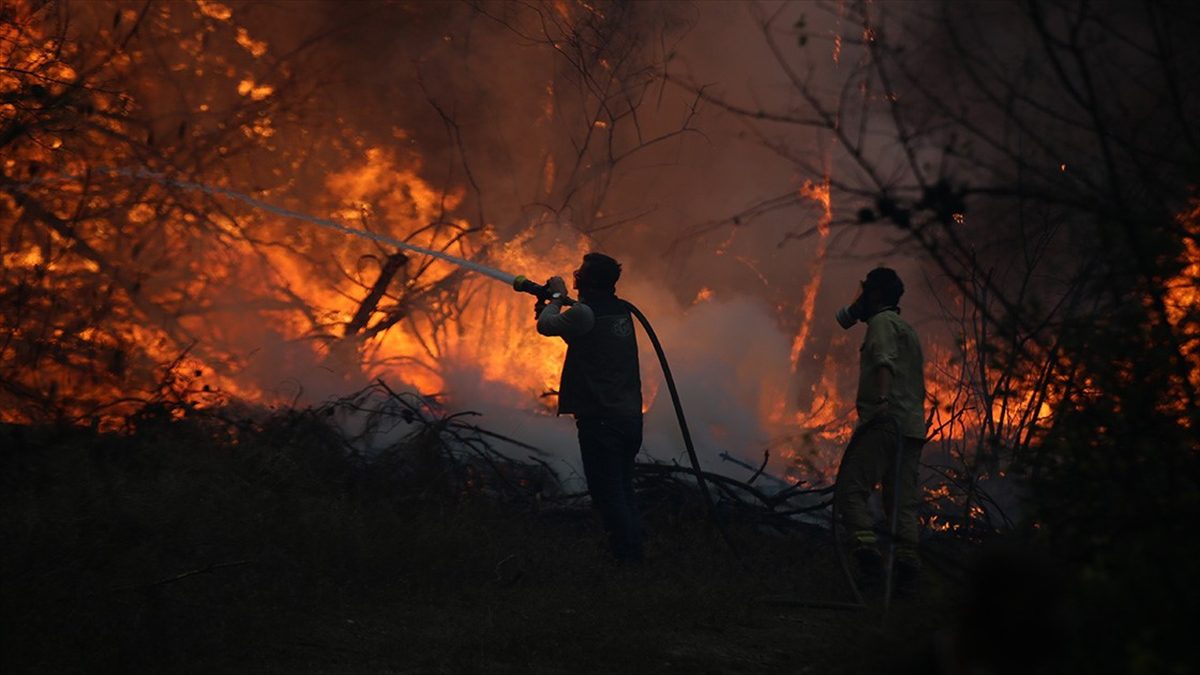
[(556, 285), (538, 306)]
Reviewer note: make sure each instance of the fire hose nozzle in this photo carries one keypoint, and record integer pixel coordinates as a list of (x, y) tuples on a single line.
[(523, 284)]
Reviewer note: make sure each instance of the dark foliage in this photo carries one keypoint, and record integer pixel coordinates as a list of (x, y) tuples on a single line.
[(199, 544)]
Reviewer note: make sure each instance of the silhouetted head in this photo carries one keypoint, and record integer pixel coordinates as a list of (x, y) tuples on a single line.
[(882, 288), (598, 274)]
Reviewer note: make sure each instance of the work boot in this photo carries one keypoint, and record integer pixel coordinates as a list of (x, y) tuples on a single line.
[(870, 568)]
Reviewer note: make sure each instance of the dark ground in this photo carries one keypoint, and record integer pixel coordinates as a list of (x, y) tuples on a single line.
[(176, 550)]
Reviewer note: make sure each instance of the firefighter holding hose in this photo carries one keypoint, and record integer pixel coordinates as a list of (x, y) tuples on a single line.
[(601, 386), (886, 445)]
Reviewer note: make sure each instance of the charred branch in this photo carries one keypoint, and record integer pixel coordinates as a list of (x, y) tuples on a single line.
[(393, 264)]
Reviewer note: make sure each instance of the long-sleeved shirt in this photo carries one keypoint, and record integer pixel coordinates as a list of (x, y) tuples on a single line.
[(892, 343), (577, 320)]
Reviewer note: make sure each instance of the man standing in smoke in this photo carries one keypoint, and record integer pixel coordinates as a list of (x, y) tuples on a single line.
[(602, 388), (891, 422)]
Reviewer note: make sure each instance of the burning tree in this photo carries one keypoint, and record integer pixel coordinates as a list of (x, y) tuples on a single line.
[(109, 279), (122, 285)]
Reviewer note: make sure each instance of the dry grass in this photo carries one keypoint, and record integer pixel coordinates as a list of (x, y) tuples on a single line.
[(175, 549)]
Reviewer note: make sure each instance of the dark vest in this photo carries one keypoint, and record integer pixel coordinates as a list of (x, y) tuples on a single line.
[(600, 374)]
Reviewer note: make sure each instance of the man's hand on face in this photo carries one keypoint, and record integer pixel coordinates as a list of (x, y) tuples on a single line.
[(557, 285)]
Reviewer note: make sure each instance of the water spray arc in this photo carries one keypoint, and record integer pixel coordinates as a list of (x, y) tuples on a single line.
[(524, 285), (323, 222), (214, 190)]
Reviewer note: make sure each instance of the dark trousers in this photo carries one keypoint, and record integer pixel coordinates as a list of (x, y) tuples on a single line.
[(608, 446), (870, 460)]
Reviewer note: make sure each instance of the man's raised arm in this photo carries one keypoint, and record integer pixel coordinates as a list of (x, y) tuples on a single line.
[(576, 321)]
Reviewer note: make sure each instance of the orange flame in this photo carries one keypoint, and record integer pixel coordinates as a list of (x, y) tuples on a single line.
[(821, 195)]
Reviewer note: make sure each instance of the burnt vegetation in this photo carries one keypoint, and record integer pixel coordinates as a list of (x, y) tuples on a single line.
[(162, 509)]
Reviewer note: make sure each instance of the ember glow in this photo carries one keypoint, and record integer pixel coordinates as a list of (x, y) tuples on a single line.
[(1183, 292)]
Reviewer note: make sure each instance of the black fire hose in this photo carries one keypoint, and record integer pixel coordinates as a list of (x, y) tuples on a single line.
[(683, 427), (524, 285), (859, 602), (893, 520)]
